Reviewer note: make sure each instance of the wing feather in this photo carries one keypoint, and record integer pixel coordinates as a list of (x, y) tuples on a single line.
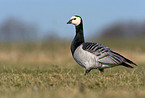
[(105, 55)]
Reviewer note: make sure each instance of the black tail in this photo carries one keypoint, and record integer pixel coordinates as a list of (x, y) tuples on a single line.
[(126, 65), (127, 60)]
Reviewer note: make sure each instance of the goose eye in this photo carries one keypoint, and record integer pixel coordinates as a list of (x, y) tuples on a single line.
[(74, 18)]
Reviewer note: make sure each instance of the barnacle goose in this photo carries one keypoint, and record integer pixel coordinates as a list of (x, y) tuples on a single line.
[(92, 55)]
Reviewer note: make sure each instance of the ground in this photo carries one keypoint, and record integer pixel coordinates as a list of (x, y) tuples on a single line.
[(48, 70)]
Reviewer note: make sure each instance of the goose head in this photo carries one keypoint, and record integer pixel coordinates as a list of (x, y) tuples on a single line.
[(76, 20)]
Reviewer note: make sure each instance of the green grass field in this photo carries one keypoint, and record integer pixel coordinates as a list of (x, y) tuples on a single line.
[(48, 70)]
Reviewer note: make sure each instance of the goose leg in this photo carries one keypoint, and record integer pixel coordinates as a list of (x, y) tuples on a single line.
[(87, 71), (101, 70)]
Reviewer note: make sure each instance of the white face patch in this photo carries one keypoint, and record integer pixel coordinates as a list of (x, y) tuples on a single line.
[(75, 20)]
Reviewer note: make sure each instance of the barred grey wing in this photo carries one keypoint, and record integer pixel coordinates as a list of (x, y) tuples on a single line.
[(95, 48), (105, 55)]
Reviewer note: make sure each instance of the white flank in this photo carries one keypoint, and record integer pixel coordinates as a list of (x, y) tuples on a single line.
[(85, 58)]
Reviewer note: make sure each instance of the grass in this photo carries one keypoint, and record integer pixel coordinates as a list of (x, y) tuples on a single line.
[(48, 70)]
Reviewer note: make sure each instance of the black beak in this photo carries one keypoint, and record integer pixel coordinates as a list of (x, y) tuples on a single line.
[(69, 22)]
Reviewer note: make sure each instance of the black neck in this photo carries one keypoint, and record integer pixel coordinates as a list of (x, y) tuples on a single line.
[(78, 39)]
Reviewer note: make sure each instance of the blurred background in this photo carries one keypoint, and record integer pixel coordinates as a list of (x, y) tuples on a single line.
[(33, 30)]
